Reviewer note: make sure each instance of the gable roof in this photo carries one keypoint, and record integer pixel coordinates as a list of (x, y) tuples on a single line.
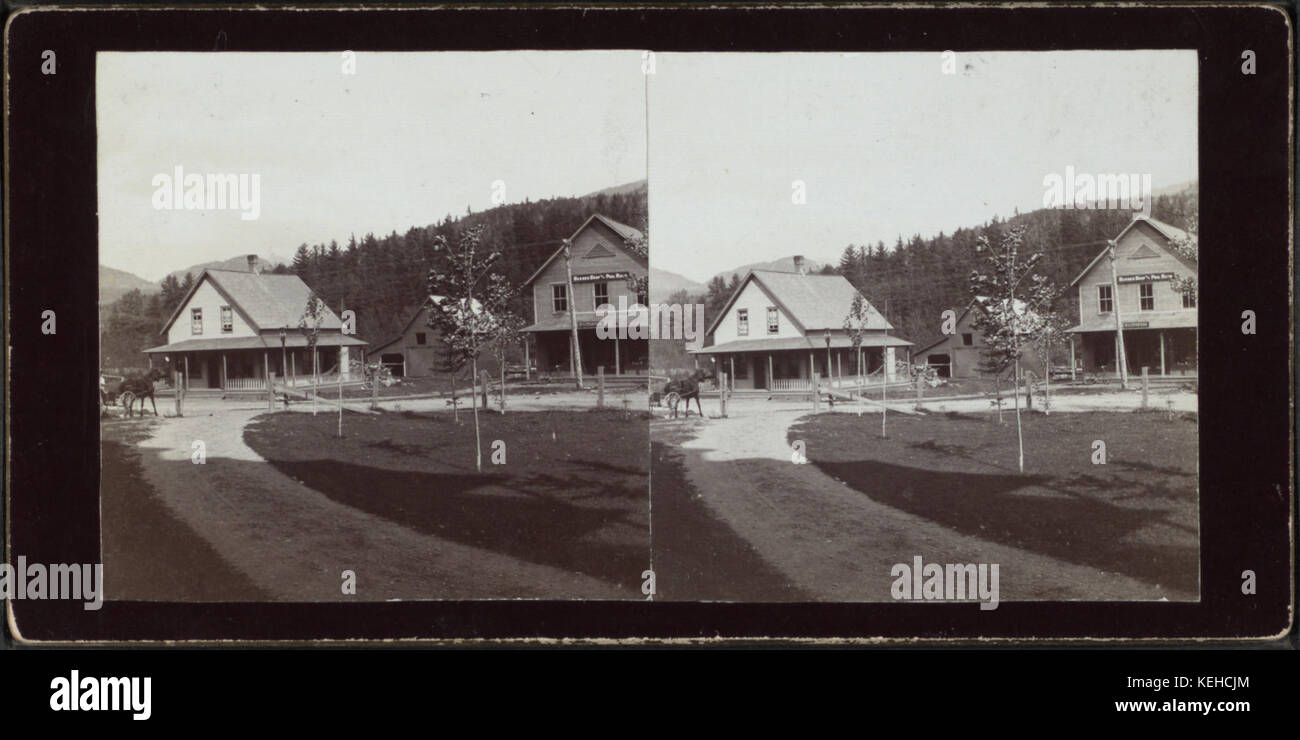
[(623, 230), (1020, 307), (264, 301), (812, 301), (416, 313), (1170, 233)]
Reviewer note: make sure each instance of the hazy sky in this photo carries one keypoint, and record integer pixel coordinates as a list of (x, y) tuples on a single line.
[(887, 145), (408, 139)]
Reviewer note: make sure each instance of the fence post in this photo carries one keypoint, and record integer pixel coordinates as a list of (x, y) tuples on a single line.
[(816, 391), (374, 390), (722, 396), (176, 380), (600, 387), (1145, 386), (920, 385)]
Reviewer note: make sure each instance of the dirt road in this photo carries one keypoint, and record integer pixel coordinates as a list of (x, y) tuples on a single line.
[(836, 544), (293, 543)]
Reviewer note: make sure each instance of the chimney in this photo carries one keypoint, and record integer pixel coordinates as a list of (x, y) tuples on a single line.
[(799, 266), (252, 264)]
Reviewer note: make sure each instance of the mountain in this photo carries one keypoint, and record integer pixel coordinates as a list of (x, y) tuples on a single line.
[(623, 189), (114, 284), (664, 283), (240, 263), (785, 264)]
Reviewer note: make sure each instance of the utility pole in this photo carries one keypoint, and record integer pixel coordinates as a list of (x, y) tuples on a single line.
[(572, 305), (1119, 322)]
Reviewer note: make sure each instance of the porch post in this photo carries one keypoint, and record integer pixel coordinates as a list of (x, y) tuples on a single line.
[(618, 367), (1072, 378), (812, 365), (187, 371), (732, 359), (839, 363), (528, 365), (771, 376), (1162, 352), (223, 371), (266, 372), (293, 369)]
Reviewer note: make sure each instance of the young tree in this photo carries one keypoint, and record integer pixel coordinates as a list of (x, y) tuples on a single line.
[(856, 323), (459, 319), (1186, 247), (506, 323), (1007, 322), (313, 315), (1051, 332)]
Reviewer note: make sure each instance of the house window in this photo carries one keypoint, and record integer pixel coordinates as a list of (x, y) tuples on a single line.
[(560, 297), (227, 320), (967, 339), (196, 321), (773, 320), (419, 337), (600, 292), (1147, 296), (1189, 300), (742, 322), (1105, 303)]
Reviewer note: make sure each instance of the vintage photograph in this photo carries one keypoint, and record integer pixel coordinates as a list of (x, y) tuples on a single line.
[(950, 326), (352, 326)]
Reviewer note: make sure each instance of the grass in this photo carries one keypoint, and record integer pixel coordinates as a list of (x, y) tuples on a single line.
[(571, 493), (1136, 515)]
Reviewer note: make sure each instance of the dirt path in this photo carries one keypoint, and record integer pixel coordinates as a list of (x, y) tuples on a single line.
[(293, 542), (839, 545)]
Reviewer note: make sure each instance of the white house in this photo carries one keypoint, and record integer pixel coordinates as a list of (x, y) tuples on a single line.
[(778, 328)]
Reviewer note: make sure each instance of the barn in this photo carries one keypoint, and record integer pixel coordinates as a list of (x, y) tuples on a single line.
[(418, 351), (957, 354)]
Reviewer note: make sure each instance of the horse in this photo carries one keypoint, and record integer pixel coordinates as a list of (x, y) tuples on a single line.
[(686, 388), (139, 385)]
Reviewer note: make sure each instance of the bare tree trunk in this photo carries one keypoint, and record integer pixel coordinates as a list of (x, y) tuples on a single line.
[(997, 393), (340, 393), (478, 444), (884, 395), (502, 368), (1020, 437)]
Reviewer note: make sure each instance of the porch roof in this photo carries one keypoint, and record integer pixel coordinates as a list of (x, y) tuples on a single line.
[(1153, 320), (265, 341), (838, 341)]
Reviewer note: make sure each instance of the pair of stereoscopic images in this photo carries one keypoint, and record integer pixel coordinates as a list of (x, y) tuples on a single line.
[(619, 325)]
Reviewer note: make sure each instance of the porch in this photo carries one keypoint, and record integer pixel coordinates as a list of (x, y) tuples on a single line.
[(790, 364)]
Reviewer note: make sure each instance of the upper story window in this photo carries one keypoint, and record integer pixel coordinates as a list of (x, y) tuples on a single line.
[(1147, 297), (600, 294), (967, 339), (1105, 300), (1189, 300), (559, 297), (227, 320), (420, 337), (742, 322), (196, 321), (773, 320)]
